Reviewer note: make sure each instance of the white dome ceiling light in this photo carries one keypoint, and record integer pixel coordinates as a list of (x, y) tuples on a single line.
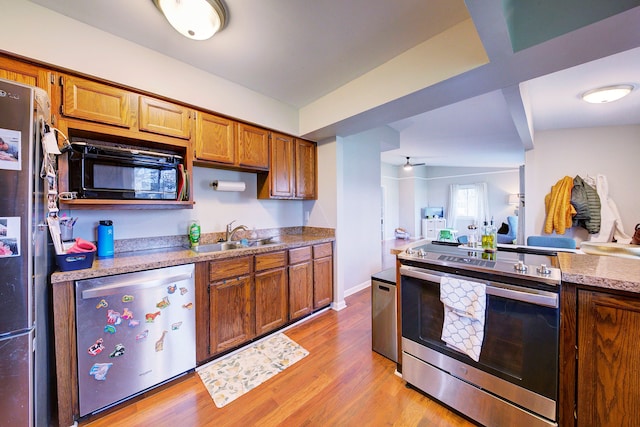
[(194, 19), (607, 94)]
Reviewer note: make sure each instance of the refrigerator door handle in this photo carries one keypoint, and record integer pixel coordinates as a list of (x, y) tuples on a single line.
[(117, 287)]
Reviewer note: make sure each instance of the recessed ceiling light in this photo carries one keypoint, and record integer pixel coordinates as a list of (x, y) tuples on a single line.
[(607, 94), (195, 19)]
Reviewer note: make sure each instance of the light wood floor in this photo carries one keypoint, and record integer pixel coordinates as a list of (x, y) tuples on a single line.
[(341, 383)]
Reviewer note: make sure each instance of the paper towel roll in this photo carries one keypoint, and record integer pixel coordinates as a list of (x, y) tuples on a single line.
[(228, 185)]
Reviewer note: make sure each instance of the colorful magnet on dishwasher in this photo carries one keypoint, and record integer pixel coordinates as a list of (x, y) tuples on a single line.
[(160, 342), (183, 290), (188, 305), (164, 303), (110, 329), (133, 323), (142, 335), (96, 348), (127, 314), (118, 351), (150, 317), (113, 317), (102, 304), (99, 370), (176, 326), (172, 288), (127, 298)]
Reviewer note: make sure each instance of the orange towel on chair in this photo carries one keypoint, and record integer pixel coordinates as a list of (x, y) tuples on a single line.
[(558, 207)]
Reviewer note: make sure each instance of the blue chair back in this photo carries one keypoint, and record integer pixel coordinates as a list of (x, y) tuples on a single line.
[(551, 242)]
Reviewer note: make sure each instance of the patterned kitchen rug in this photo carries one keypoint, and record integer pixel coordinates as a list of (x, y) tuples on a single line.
[(230, 377)]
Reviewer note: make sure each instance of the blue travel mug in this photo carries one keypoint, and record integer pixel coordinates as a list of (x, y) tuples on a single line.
[(105, 238)]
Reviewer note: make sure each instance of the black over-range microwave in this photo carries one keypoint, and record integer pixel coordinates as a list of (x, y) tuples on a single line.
[(100, 170)]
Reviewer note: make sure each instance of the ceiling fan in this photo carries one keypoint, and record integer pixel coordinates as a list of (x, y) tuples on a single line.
[(409, 165)]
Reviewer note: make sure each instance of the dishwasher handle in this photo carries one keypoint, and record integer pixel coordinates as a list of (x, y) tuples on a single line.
[(116, 287)]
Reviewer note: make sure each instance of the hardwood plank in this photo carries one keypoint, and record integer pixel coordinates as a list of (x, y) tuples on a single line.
[(341, 383)]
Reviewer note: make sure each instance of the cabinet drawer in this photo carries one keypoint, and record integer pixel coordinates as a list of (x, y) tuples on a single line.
[(271, 260), (298, 255), (231, 267), (322, 250)]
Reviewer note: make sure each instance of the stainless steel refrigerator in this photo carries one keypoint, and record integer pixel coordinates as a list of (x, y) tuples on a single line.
[(24, 263)]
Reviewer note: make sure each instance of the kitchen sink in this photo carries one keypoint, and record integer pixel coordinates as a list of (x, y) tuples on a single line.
[(235, 244), (216, 247)]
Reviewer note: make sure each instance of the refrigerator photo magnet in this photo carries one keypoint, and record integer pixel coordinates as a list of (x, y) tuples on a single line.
[(9, 236), (10, 145)]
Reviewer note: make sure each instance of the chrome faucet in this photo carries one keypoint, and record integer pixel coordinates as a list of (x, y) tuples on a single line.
[(231, 232)]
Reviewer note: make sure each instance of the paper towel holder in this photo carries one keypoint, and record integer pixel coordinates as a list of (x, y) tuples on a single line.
[(228, 185)]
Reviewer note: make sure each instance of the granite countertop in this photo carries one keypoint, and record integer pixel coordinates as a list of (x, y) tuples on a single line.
[(598, 271), (608, 272), (147, 259)]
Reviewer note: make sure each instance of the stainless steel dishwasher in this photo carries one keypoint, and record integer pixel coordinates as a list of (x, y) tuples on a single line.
[(134, 331), (384, 334)]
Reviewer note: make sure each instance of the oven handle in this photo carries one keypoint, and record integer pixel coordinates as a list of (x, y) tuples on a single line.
[(532, 296)]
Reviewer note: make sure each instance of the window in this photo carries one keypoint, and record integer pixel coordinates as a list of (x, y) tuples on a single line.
[(467, 202)]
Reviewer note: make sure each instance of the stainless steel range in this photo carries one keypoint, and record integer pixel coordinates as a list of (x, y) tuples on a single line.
[(513, 380)]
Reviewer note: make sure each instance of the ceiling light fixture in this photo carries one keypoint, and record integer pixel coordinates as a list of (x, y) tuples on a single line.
[(195, 19), (607, 94)]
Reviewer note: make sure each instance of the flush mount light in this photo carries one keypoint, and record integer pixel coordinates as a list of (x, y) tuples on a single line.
[(195, 19), (607, 94)]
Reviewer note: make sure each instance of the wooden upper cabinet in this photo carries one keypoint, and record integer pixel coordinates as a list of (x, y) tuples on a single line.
[(27, 74), (253, 147), (292, 172), (89, 100), (164, 118), (215, 138), (281, 172), (306, 174)]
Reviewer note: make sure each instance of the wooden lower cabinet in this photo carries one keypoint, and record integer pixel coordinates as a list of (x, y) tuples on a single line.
[(231, 313), (608, 365), (322, 275), (271, 291), (271, 300), (231, 303), (300, 282)]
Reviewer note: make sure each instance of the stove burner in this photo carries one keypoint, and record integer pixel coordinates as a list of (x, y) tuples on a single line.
[(469, 261)]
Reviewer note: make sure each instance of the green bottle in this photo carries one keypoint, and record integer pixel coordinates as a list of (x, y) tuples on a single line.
[(194, 233)]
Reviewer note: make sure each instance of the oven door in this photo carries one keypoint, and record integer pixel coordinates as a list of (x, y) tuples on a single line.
[(521, 329)]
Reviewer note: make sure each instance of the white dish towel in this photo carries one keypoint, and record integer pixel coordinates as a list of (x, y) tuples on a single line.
[(464, 313)]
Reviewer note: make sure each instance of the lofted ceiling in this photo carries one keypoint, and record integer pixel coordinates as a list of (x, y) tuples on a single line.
[(297, 51)]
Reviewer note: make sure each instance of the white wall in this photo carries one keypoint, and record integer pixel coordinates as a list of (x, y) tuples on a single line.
[(214, 209), (611, 151), (359, 201), (391, 186)]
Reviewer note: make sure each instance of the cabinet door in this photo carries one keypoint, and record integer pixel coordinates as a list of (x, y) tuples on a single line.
[(163, 118), (87, 100), (232, 321), (281, 168), (271, 300), (305, 169), (322, 282), (25, 73), (215, 138), (300, 289), (253, 147), (608, 363)]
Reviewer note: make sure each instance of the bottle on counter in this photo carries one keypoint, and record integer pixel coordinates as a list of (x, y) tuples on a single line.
[(105, 238), (489, 237), (194, 233)]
